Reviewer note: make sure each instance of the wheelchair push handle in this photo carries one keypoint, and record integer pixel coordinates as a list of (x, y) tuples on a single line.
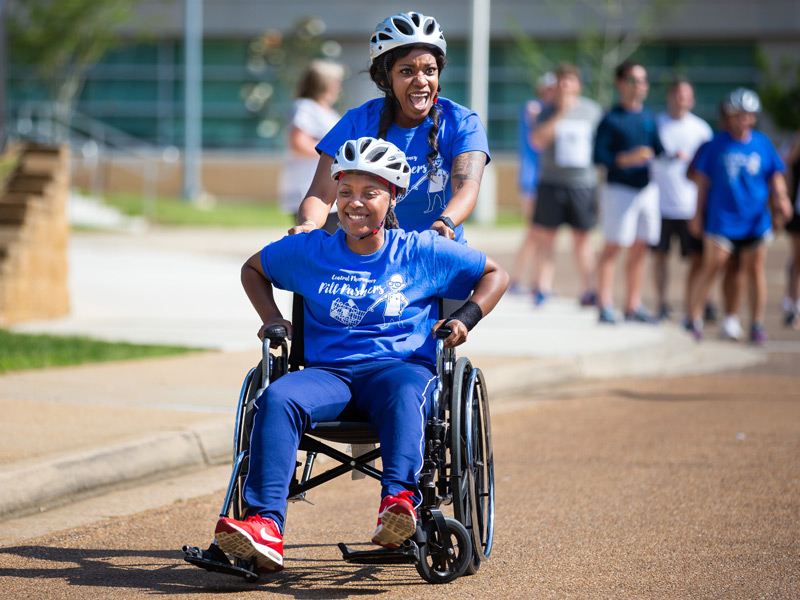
[(275, 332), (443, 332)]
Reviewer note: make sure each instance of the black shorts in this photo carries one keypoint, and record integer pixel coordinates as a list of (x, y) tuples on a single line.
[(678, 228), (557, 204)]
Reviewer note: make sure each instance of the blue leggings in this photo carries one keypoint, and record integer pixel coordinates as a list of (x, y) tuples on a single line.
[(392, 394)]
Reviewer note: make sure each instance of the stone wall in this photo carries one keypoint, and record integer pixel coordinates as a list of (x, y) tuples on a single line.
[(34, 232)]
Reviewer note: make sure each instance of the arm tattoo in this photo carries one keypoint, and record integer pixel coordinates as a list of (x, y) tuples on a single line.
[(468, 166)]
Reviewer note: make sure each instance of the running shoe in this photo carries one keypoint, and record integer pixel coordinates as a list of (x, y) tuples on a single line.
[(397, 521), (695, 328), (710, 314), (665, 312), (607, 315), (757, 334), (640, 315), (589, 298), (254, 538), (541, 296), (731, 328)]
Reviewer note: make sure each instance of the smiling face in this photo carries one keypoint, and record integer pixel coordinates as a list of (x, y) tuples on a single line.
[(363, 201), (414, 80)]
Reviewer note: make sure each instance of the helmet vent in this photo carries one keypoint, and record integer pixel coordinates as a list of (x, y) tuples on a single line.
[(403, 27)]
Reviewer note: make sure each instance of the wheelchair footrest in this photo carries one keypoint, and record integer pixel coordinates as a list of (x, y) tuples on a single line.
[(405, 554), (214, 559)]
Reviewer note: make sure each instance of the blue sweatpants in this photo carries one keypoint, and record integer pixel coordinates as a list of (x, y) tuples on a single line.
[(392, 394)]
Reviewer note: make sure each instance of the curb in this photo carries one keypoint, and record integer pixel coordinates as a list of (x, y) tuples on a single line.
[(24, 489)]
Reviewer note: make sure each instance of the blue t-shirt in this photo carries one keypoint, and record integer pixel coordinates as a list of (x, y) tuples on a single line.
[(381, 305), (739, 174), (460, 130), (620, 131), (528, 177)]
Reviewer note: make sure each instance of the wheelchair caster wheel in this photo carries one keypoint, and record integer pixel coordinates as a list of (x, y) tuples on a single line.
[(444, 558)]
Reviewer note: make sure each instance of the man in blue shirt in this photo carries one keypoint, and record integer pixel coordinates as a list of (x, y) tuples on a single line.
[(626, 143)]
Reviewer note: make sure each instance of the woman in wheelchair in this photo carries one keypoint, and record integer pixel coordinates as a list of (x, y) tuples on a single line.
[(371, 300)]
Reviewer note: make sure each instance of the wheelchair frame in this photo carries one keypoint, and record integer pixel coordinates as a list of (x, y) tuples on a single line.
[(458, 470)]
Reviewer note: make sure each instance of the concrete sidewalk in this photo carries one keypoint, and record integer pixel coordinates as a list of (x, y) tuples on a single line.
[(71, 431)]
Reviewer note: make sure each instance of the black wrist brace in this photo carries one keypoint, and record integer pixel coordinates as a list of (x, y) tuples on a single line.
[(469, 315)]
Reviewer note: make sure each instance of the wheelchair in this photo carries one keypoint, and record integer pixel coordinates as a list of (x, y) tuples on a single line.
[(457, 473)]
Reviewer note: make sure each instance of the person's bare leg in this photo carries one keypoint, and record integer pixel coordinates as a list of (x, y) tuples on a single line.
[(525, 256), (584, 257), (733, 285), (794, 279), (714, 258), (545, 264), (660, 277), (754, 260), (634, 275), (605, 274), (692, 279)]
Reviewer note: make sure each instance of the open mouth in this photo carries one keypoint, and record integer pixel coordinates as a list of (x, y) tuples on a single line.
[(419, 100)]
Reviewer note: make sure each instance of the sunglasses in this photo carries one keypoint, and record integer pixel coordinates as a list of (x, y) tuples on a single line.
[(635, 80)]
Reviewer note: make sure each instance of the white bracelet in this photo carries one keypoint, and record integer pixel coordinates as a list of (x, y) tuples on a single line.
[(309, 223)]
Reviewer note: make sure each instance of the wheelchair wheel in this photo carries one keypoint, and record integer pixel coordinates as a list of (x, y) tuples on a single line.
[(436, 563), (472, 460)]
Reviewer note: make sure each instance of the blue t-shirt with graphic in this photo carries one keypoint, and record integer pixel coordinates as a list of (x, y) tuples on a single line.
[(739, 174), (381, 305), (460, 130)]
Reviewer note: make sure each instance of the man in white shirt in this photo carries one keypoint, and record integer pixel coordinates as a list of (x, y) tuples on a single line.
[(681, 133)]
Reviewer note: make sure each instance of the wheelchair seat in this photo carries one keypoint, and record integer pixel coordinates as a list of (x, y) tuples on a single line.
[(348, 432)]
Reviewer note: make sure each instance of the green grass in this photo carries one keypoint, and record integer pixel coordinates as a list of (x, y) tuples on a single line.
[(21, 351), (178, 212), (175, 211)]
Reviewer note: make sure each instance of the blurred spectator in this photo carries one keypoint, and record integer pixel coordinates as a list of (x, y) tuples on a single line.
[(626, 143), (791, 304), (681, 133), (733, 281), (310, 117), (737, 173), (528, 175), (564, 133)]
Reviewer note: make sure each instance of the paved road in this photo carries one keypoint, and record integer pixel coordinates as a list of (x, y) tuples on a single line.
[(613, 489)]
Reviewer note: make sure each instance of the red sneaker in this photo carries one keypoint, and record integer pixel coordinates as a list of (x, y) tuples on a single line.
[(397, 521), (255, 537)]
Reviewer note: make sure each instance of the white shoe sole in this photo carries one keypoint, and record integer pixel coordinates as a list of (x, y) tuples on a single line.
[(240, 544), (395, 528)]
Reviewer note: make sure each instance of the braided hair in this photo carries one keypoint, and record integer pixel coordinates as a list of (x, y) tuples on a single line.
[(390, 220), (379, 73)]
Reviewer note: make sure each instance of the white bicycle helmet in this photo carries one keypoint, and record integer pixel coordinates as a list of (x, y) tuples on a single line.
[(376, 157), (742, 100), (406, 29)]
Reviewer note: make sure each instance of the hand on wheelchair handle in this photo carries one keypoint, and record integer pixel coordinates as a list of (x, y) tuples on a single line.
[(457, 332), (275, 330)]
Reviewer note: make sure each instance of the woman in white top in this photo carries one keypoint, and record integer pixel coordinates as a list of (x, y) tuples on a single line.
[(310, 117)]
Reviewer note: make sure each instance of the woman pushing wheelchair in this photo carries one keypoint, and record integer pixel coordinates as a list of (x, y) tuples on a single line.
[(370, 304)]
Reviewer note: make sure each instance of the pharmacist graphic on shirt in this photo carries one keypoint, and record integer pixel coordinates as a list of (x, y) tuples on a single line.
[(437, 186), (395, 301)]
